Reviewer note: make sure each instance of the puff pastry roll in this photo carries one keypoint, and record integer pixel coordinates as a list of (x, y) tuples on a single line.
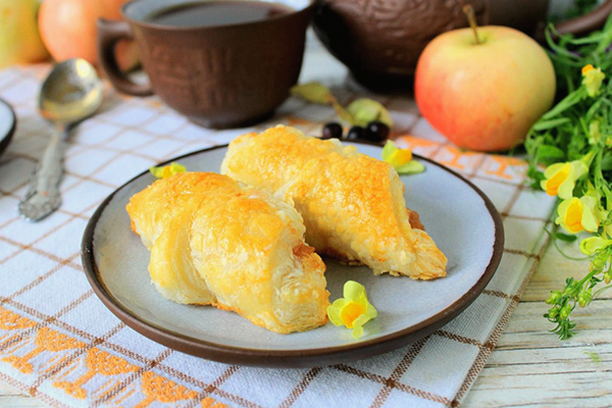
[(216, 241), (353, 205)]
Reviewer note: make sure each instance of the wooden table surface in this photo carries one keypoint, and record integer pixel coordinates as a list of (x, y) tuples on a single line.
[(529, 367)]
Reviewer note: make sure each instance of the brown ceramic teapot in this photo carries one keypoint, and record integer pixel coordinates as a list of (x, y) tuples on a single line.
[(380, 40)]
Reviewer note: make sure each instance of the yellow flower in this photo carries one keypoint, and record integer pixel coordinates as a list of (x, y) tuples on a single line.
[(561, 178), (586, 69), (167, 171), (353, 310), (592, 78), (589, 246), (578, 214), (401, 159)]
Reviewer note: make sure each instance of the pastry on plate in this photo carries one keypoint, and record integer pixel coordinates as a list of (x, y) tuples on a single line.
[(216, 241), (352, 204)]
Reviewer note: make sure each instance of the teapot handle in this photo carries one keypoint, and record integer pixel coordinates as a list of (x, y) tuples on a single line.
[(588, 22)]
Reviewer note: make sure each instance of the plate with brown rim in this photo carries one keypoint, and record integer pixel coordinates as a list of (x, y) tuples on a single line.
[(459, 217), (8, 121)]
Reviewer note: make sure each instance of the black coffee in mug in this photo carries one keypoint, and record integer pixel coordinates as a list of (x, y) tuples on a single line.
[(216, 13)]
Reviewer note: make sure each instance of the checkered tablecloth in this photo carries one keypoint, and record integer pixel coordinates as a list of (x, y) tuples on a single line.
[(59, 343)]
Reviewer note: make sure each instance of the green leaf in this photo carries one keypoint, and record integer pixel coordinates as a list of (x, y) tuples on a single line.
[(565, 103), (550, 154), (314, 92), (412, 167), (364, 110), (549, 124), (596, 358), (606, 162), (565, 237)]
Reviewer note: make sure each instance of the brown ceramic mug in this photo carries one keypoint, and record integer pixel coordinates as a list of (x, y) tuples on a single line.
[(218, 76)]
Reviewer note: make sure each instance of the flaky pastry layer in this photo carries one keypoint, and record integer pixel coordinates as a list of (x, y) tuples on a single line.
[(353, 205), (216, 241)]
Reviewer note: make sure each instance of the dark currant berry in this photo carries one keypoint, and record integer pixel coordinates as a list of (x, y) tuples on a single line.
[(355, 133), (377, 131), (332, 130)]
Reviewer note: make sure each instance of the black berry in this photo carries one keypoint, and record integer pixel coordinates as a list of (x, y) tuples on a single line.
[(332, 130), (377, 131), (355, 133)]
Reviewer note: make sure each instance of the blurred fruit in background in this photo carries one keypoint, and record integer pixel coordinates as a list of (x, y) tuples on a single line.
[(68, 29), (484, 93), (19, 38)]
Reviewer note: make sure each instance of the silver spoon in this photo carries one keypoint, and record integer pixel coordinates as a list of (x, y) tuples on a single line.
[(71, 92)]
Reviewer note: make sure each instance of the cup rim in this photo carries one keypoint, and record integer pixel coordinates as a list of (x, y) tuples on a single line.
[(148, 24)]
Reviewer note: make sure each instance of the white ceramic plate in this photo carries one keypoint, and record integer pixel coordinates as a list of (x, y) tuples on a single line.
[(459, 217)]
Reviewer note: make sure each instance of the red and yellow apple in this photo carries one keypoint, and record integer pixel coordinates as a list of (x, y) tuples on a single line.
[(484, 95), (19, 38)]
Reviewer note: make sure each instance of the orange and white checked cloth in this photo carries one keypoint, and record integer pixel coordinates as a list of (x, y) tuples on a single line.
[(59, 343)]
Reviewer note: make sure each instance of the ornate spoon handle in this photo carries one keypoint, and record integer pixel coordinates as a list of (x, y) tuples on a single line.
[(43, 196)]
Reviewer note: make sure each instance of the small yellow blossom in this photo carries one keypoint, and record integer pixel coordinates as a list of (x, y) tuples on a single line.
[(591, 79), (587, 68), (167, 171), (353, 310), (401, 159), (578, 214), (589, 246), (561, 178)]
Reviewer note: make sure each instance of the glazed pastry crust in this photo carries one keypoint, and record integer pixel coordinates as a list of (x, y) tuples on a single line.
[(353, 205), (216, 241)]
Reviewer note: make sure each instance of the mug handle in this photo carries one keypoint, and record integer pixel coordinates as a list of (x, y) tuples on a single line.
[(588, 22), (109, 34)]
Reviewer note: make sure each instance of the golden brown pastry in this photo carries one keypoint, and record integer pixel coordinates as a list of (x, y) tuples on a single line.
[(216, 241), (353, 205)]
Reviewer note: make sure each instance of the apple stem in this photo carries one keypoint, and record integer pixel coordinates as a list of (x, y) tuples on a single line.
[(469, 12)]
